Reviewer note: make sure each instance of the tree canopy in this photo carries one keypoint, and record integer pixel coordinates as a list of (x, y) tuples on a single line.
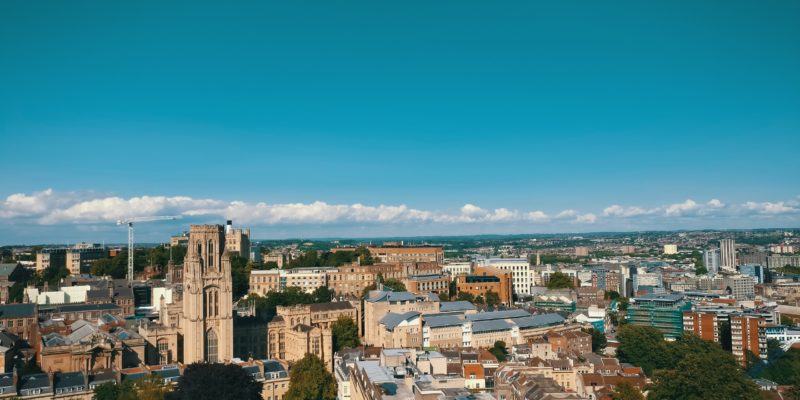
[(266, 305), (492, 299), (599, 341), (704, 372), (312, 258), (626, 391), (202, 381), (559, 280), (310, 380), (687, 368), (345, 333), (785, 370), (499, 350)]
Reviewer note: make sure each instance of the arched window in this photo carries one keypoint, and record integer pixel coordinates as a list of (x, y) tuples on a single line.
[(200, 255), (211, 346), (211, 302), (210, 254)]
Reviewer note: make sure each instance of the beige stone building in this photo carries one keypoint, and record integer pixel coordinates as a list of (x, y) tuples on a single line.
[(351, 280), (380, 303), (400, 330), (207, 300), (237, 240), (298, 330)]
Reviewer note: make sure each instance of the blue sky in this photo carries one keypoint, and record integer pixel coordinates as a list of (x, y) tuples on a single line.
[(522, 106)]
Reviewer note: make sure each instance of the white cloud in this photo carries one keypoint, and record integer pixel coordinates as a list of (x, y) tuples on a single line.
[(536, 216), (679, 209), (588, 218), (49, 207), (770, 208), (620, 211)]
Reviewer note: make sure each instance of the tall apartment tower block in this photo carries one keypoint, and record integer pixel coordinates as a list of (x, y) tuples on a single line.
[(727, 254)]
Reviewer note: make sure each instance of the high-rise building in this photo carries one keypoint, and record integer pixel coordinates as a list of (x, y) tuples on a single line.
[(748, 337), (702, 324), (711, 261), (661, 311), (727, 254), (207, 299)]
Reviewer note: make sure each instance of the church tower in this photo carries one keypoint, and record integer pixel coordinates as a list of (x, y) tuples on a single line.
[(207, 297)]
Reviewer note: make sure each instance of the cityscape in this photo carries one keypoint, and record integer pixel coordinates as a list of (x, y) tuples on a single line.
[(419, 201)]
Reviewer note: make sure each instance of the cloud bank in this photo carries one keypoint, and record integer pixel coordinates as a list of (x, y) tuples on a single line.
[(49, 208)]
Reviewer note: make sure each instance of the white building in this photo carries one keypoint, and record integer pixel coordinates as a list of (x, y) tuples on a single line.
[(67, 295), (670, 249), (457, 268), (711, 261), (727, 254), (523, 273)]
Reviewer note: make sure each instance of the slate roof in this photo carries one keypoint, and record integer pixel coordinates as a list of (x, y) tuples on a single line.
[(82, 307), (391, 320), (460, 305), (536, 321), (18, 310), (392, 296), (102, 376), (35, 381), (274, 367), (7, 380), (492, 315), (442, 321), (489, 326), (7, 268), (63, 380)]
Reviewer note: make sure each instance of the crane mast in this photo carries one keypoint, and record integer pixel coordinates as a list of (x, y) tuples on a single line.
[(129, 222)]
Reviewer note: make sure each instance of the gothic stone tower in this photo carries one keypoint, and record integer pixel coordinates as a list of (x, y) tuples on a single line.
[(207, 298)]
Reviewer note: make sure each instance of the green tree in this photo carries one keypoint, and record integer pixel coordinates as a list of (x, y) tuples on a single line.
[(479, 300), (623, 304), (107, 391), (452, 289), (499, 350), (394, 285), (465, 296), (785, 370), (203, 381), (310, 380), (559, 280), (700, 270), (269, 265), (643, 346), (611, 295), (599, 341), (708, 373), (151, 387), (444, 297), (626, 391), (492, 299), (323, 294), (345, 333), (786, 320)]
